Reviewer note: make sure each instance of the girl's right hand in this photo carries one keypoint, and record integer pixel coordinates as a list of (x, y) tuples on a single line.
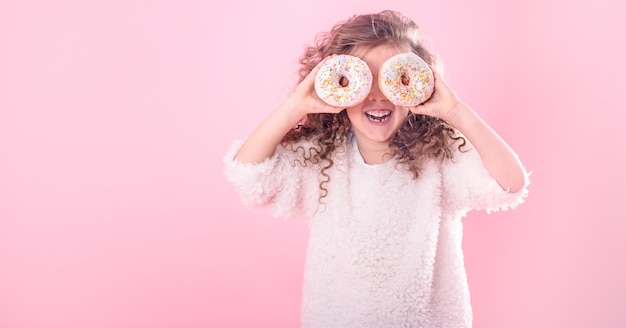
[(306, 100), (262, 142)]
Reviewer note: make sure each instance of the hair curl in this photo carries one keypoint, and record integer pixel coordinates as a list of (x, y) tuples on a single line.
[(420, 137)]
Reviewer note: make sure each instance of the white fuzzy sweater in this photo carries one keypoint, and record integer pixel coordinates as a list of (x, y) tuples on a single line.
[(384, 249)]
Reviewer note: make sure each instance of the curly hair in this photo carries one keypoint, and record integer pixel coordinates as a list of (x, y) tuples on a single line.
[(420, 137)]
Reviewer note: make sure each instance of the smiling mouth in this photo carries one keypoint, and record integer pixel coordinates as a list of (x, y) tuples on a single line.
[(378, 116)]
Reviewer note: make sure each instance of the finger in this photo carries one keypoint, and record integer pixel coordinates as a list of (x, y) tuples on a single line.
[(436, 74), (416, 109), (308, 83)]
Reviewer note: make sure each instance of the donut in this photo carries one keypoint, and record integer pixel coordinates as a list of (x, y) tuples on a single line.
[(406, 79), (343, 81)]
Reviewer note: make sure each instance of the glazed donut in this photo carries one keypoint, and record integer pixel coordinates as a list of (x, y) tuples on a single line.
[(343, 81), (406, 80)]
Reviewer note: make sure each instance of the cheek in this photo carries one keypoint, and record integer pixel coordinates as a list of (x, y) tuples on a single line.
[(353, 112), (402, 112)]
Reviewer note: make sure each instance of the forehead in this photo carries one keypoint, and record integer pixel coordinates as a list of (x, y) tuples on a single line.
[(378, 53)]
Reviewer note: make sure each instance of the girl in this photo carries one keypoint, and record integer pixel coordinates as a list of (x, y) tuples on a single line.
[(384, 187)]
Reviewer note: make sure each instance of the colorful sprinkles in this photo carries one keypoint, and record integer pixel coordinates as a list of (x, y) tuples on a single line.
[(406, 80), (328, 78)]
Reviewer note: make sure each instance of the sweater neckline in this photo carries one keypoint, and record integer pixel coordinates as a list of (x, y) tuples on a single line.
[(358, 158)]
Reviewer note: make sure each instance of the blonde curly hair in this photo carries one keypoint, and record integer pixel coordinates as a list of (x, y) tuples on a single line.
[(420, 137)]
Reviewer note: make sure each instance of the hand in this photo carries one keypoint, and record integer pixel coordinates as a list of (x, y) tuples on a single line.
[(443, 103), (305, 99)]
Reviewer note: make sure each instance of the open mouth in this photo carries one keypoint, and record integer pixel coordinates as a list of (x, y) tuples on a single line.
[(378, 116)]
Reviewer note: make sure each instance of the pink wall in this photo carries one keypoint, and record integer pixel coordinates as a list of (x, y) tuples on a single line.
[(114, 118)]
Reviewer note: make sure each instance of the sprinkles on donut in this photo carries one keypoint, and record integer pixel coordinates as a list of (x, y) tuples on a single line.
[(343, 81), (406, 80)]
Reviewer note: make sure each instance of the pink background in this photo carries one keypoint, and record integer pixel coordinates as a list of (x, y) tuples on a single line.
[(114, 117)]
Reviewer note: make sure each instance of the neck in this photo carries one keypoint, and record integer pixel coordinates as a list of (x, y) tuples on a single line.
[(374, 152)]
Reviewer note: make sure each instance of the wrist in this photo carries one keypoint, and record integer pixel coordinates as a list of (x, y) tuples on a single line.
[(291, 110), (458, 115)]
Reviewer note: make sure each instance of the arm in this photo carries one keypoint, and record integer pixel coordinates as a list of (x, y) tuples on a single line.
[(262, 142), (499, 159)]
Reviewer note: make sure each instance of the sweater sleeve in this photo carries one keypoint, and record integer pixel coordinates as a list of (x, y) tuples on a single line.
[(468, 185), (279, 182)]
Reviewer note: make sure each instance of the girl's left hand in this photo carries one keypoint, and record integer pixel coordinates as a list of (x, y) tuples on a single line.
[(442, 103)]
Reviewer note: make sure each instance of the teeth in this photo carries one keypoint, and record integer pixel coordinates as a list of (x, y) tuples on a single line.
[(378, 116)]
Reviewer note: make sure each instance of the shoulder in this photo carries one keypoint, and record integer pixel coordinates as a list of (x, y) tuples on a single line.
[(294, 150), (462, 153), (311, 156)]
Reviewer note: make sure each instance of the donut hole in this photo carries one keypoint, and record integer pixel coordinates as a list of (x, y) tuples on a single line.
[(405, 79), (343, 81)]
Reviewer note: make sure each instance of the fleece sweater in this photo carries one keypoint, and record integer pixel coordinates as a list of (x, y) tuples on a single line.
[(384, 249)]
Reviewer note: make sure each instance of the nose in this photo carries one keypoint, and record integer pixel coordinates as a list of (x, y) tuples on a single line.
[(375, 93)]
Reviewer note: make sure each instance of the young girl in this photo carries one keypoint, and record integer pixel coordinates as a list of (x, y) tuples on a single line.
[(384, 187)]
